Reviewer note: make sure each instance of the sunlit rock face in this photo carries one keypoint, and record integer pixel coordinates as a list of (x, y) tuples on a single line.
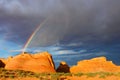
[(63, 67), (95, 65), (39, 62)]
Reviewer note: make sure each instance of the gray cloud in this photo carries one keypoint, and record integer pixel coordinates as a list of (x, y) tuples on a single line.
[(84, 21)]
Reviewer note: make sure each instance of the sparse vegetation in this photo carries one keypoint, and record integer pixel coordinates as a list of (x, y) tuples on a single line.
[(78, 74), (91, 74), (55, 76), (51, 76)]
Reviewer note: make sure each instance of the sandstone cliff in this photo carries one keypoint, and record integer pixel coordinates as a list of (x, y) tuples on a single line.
[(39, 62), (95, 65)]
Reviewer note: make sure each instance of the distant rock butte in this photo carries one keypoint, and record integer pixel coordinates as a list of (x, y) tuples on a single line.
[(95, 65), (39, 62), (63, 67)]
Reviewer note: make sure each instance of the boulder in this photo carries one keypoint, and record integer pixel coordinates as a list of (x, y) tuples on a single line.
[(95, 65), (63, 67), (39, 62)]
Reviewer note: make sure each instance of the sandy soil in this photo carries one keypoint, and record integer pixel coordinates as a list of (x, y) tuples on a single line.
[(93, 78), (68, 78)]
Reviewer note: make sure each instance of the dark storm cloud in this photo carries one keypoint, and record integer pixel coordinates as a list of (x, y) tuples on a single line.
[(84, 21)]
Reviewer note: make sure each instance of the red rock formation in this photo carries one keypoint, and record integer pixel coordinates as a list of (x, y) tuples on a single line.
[(95, 65), (39, 62), (63, 67)]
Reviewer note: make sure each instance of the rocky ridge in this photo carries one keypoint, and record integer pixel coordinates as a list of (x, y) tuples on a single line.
[(43, 62)]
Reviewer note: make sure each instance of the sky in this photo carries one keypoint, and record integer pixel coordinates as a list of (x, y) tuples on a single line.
[(74, 29)]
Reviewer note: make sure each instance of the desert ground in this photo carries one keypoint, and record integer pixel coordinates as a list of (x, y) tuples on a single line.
[(27, 75)]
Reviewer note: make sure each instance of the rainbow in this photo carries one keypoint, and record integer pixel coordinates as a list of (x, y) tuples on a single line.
[(32, 35)]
